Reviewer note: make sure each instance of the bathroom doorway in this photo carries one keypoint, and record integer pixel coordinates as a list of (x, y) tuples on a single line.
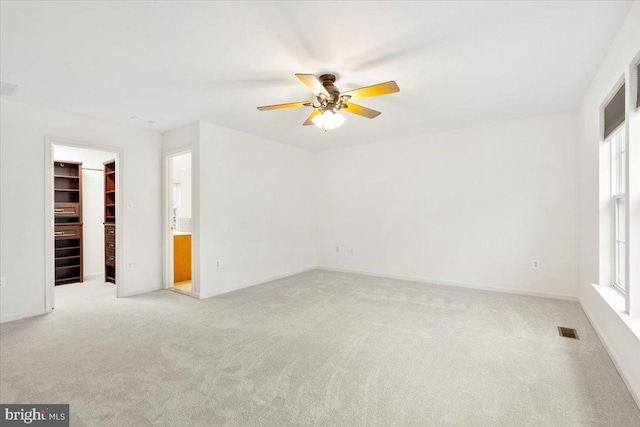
[(180, 223)]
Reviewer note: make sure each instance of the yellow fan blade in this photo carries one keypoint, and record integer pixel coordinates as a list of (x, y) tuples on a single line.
[(312, 82), (360, 110), (289, 105), (310, 118), (375, 90)]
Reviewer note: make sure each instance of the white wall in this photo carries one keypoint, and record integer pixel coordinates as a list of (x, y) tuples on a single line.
[(22, 134), (471, 207), (622, 343), (256, 209), (92, 202)]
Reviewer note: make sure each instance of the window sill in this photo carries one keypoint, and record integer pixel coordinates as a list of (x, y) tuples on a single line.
[(615, 300)]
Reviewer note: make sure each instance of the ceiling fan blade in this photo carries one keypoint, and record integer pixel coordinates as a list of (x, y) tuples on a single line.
[(360, 110), (375, 90), (310, 118), (312, 82), (289, 105)]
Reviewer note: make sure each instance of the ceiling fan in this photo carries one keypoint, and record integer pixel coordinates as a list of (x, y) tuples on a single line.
[(330, 101)]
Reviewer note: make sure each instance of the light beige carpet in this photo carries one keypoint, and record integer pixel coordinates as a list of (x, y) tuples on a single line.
[(318, 348)]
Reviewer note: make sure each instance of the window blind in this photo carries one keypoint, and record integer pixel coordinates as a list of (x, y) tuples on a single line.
[(614, 112)]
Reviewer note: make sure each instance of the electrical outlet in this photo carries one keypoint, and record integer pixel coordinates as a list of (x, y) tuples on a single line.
[(350, 250), (217, 263), (129, 266), (337, 249), (3, 282), (535, 264)]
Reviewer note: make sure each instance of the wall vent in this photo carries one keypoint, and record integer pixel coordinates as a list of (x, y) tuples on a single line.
[(568, 333), (7, 88)]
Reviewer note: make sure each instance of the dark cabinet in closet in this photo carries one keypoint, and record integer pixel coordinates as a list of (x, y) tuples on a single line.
[(67, 210), (110, 221)]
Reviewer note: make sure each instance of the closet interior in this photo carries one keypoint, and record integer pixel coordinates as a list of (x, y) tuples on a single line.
[(84, 208)]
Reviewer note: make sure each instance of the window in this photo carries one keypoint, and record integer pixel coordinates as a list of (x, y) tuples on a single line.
[(619, 198), (618, 193), (614, 113)]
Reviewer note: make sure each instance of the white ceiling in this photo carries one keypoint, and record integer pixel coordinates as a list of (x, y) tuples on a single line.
[(458, 64)]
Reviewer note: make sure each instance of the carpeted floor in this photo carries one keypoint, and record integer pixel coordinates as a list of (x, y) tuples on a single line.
[(318, 348)]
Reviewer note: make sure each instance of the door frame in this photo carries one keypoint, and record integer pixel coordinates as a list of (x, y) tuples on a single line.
[(195, 218), (49, 239)]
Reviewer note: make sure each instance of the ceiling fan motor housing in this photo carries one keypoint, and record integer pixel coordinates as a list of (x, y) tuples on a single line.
[(327, 81)]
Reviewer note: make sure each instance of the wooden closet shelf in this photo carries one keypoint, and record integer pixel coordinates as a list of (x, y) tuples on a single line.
[(66, 279), (67, 257), (68, 266)]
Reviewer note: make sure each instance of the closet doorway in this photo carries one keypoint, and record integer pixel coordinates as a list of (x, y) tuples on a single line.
[(82, 224), (180, 217)]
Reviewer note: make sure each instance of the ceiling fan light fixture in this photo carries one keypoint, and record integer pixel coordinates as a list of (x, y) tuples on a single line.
[(318, 120), (339, 119), (329, 120)]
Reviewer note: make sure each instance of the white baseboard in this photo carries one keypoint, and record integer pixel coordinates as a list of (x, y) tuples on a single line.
[(18, 316), (228, 289), (456, 284), (635, 394)]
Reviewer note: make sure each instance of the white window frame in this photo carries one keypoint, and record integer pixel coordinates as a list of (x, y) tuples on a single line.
[(617, 142)]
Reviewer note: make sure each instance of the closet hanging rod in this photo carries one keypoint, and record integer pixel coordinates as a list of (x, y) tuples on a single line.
[(90, 169)]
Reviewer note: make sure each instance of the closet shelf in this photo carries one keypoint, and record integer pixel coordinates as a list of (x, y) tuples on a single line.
[(67, 257), (66, 279), (66, 176)]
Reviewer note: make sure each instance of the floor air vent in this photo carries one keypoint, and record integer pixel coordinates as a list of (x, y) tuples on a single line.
[(568, 333)]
